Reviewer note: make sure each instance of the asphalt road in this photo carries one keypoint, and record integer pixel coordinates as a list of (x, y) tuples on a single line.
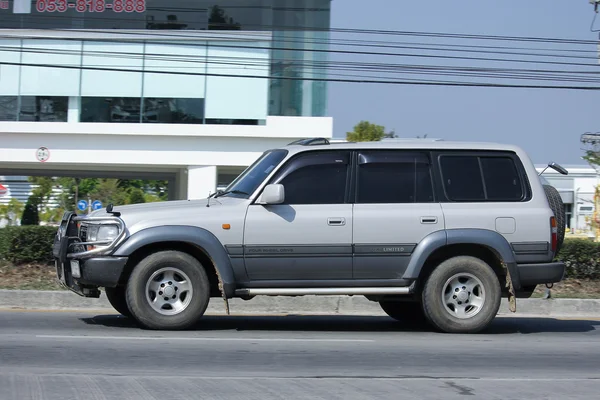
[(59, 355)]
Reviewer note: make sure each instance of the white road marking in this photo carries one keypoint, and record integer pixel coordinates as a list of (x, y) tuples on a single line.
[(201, 339)]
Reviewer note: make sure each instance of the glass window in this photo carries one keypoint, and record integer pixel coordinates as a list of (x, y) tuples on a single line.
[(254, 175), (398, 182), (43, 80), (462, 178), (44, 108), (502, 181), (111, 109), (173, 111), (318, 178), (8, 108)]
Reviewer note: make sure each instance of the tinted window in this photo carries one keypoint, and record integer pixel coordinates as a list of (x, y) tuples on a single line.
[(481, 178), (317, 178), (502, 181), (462, 178), (394, 182)]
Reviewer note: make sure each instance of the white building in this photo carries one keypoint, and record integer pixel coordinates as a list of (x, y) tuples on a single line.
[(577, 191), (192, 91)]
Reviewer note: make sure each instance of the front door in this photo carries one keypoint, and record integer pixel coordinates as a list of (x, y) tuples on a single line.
[(309, 237)]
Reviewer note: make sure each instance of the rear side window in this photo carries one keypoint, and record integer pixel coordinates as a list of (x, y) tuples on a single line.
[(393, 177), (481, 178), (462, 178), (502, 180)]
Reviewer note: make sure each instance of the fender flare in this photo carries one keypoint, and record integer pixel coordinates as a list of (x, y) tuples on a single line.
[(201, 238), (484, 237)]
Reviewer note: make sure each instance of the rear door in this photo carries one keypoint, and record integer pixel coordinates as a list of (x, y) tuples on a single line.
[(394, 210)]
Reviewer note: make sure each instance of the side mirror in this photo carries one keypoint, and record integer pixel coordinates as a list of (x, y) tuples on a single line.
[(558, 168), (273, 194)]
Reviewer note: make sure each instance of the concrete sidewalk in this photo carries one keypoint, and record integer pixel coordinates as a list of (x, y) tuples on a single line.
[(328, 305)]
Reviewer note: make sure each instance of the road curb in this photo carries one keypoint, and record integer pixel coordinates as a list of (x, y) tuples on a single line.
[(323, 305)]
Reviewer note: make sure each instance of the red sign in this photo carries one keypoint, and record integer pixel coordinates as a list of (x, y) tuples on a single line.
[(3, 190), (118, 6)]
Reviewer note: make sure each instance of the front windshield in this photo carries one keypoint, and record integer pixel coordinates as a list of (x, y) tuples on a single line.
[(255, 174)]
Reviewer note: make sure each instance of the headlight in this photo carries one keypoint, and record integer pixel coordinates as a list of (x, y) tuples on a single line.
[(102, 233)]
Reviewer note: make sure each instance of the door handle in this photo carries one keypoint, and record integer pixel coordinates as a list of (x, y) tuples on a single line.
[(429, 220), (336, 221)]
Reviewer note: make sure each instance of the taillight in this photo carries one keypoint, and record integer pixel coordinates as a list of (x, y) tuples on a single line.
[(554, 230)]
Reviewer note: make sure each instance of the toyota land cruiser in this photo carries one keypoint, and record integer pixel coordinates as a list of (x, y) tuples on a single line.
[(429, 229)]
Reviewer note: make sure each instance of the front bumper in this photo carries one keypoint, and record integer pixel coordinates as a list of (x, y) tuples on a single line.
[(79, 269), (536, 274)]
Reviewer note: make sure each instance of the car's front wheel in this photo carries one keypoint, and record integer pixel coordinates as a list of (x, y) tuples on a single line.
[(403, 311), (116, 298), (168, 290), (462, 295)]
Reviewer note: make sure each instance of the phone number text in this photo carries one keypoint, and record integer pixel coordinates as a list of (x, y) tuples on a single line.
[(127, 6)]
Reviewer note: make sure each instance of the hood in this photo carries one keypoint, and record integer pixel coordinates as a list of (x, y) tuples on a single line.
[(183, 212)]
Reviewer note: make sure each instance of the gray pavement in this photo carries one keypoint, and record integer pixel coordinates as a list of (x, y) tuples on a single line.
[(90, 355), (329, 305)]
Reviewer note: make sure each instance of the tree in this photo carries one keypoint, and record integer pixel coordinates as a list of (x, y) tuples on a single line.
[(365, 131), (30, 213), (592, 157), (219, 20), (136, 196), (11, 211)]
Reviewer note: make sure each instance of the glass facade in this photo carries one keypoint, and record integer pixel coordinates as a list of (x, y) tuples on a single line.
[(165, 77)]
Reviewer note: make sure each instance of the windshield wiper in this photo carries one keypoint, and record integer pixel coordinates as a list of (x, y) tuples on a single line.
[(223, 193)]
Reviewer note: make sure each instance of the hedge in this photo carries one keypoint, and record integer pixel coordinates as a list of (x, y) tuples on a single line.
[(27, 244), (33, 244), (582, 258)]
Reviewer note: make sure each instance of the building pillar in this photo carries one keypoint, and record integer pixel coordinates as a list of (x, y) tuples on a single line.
[(201, 181)]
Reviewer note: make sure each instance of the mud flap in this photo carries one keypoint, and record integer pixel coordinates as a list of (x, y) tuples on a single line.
[(512, 298), (222, 290)]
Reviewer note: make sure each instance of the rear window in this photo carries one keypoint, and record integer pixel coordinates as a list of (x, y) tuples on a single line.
[(481, 178)]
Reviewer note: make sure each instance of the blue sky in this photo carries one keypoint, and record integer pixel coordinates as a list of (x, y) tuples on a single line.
[(546, 123)]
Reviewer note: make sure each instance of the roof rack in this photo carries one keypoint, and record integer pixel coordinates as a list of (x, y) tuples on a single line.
[(310, 142)]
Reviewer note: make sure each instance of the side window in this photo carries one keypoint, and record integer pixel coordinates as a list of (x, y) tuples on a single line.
[(315, 178), (502, 180), (388, 177), (481, 178), (462, 178)]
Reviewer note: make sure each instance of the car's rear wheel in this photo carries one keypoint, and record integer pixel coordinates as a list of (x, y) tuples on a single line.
[(404, 311), (462, 295), (168, 290), (116, 297)]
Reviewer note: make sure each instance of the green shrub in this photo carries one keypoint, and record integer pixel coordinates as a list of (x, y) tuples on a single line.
[(582, 258), (27, 244), (30, 213)]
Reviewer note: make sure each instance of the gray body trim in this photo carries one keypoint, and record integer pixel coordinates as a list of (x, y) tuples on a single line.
[(198, 237), (531, 248), (383, 249), (278, 251), (490, 239)]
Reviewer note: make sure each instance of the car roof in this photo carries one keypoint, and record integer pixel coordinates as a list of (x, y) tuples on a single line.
[(400, 144)]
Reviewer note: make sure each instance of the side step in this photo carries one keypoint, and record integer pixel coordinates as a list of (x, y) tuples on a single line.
[(347, 291)]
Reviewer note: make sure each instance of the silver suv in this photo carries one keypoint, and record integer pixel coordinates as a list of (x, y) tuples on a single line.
[(431, 230)]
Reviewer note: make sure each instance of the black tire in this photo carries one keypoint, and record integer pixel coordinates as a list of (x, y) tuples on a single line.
[(558, 208), (404, 311), (139, 301), (445, 319), (116, 297)]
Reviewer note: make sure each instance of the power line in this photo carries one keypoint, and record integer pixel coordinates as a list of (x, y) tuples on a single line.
[(374, 81)]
